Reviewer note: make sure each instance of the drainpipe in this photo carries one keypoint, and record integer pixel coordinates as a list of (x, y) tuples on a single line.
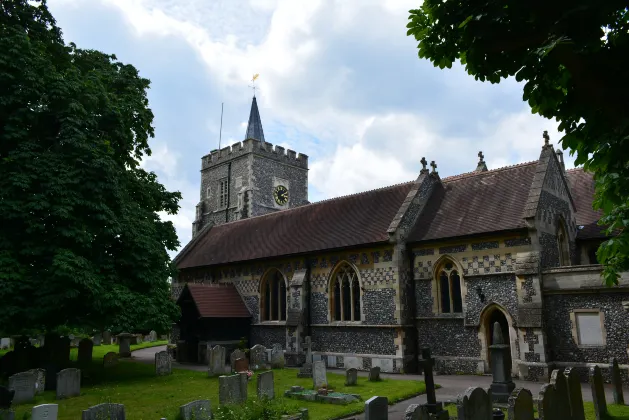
[(229, 189)]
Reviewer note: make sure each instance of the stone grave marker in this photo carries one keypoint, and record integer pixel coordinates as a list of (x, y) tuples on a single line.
[(68, 383), (232, 389), (619, 396), (562, 400), (432, 406), (106, 338), (307, 346), (98, 339), (40, 384), (502, 384), (236, 354), (521, 405), (5, 343), (374, 373), (241, 365), (196, 410), (475, 404), (6, 398), (574, 393), (416, 412), (45, 412), (547, 403), (23, 384), (351, 376), (163, 364), (110, 359), (124, 344), (257, 357), (266, 385), (216, 361), (319, 375), (105, 411), (598, 393), (277, 357), (86, 346), (376, 408), (153, 336)]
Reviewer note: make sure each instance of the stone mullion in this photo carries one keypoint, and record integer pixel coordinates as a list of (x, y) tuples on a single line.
[(351, 300), (271, 302), (341, 296)]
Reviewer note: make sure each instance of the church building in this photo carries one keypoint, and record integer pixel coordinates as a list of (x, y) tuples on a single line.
[(373, 277)]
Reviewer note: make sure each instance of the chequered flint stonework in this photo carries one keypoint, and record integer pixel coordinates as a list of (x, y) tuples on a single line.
[(486, 264)]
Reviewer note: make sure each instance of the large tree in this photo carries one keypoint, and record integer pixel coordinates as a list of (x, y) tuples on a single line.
[(81, 242), (572, 56)]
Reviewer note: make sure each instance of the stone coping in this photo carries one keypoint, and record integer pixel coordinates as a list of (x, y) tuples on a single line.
[(573, 268), (351, 324)]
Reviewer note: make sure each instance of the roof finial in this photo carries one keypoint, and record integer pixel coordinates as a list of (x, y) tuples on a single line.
[(481, 167), (424, 162), (253, 83), (480, 157), (546, 138), (434, 167)]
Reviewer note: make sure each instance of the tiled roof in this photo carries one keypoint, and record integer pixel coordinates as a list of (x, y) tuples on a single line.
[(217, 301), (475, 203), (582, 186), (353, 220)]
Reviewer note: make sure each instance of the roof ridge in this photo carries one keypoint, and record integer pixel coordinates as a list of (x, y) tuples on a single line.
[(579, 168), (474, 173)]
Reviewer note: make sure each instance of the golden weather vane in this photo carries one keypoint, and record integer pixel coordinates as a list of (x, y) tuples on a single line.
[(253, 83)]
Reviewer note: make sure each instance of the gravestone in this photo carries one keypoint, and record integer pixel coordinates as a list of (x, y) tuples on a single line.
[(376, 408), (45, 412), (23, 384), (6, 398), (574, 393), (110, 359), (619, 396), (277, 357), (196, 410), (432, 406), (5, 343), (105, 411), (68, 383), (547, 403), (502, 385), (7, 414), (241, 365), (40, 384), (319, 375), (85, 352), (562, 400), (153, 336), (236, 354), (351, 376), (374, 374), (216, 358), (232, 389), (106, 338), (521, 405), (475, 404), (266, 385), (305, 371), (598, 393), (124, 344), (307, 346), (163, 364), (98, 339), (257, 357), (416, 412)]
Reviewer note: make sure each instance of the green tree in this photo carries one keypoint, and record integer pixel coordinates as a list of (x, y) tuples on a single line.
[(81, 243), (572, 57)]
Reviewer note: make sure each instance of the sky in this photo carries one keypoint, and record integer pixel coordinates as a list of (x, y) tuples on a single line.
[(340, 81)]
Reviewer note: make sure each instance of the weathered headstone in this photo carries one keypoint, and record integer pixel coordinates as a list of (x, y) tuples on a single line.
[(163, 364), (45, 412), (619, 396), (502, 385), (23, 384), (574, 394), (319, 375), (266, 385), (98, 339), (232, 389), (7, 414), (521, 405), (110, 359), (153, 336), (196, 410), (598, 393), (277, 357), (475, 404), (124, 344), (236, 354), (85, 352), (257, 357), (562, 400), (5, 343), (68, 383), (374, 374), (40, 384), (106, 411), (351, 376), (106, 338), (305, 371), (216, 360), (432, 406), (241, 365), (547, 403), (376, 408), (416, 412)]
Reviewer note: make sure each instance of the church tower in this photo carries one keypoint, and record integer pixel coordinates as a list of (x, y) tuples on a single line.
[(250, 178)]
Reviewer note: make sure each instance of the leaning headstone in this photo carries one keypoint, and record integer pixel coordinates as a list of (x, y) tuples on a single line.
[(257, 357), (351, 376), (106, 411), (574, 394), (521, 405), (85, 352), (266, 385), (374, 374), (45, 412), (110, 359), (376, 408), (6, 398), (547, 403), (216, 358), (98, 339), (619, 396), (23, 384), (502, 385), (562, 400), (598, 393), (416, 412), (124, 344), (277, 357), (475, 404), (163, 364), (197, 410), (68, 383), (232, 389), (106, 338), (40, 384), (236, 354), (319, 375)]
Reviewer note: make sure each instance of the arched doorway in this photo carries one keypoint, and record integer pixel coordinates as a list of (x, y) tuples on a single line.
[(491, 314), (496, 315)]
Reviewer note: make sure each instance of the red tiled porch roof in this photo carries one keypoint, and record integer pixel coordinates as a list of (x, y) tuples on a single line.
[(217, 301)]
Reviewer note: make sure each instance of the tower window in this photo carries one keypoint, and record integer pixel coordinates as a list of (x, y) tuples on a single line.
[(223, 189), (449, 284), (345, 288), (208, 192), (273, 297)]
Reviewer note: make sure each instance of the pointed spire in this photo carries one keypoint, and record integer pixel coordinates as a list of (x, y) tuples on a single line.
[(254, 128)]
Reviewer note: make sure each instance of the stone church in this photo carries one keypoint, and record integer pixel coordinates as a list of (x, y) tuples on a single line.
[(373, 277)]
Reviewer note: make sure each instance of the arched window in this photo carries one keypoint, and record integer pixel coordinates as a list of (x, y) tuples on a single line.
[(562, 243), (273, 297), (345, 294), (449, 284)]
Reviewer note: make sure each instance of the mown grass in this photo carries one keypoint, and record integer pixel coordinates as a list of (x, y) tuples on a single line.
[(101, 351), (615, 412)]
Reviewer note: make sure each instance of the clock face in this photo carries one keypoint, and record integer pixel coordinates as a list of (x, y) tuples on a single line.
[(280, 193)]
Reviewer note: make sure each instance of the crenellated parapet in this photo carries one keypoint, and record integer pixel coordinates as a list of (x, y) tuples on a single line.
[(277, 153)]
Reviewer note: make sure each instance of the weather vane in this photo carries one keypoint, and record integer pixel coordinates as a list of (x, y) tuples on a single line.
[(253, 84)]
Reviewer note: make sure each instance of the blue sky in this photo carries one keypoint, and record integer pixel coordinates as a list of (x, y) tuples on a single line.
[(339, 81)]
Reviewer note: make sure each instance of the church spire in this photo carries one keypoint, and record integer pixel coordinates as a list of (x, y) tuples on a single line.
[(254, 128)]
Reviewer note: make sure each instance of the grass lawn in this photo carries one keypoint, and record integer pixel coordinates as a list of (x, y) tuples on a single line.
[(616, 412), (100, 351), (148, 397)]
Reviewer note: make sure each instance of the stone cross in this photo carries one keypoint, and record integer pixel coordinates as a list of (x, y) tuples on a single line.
[(424, 162), (427, 362), (433, 165), (480, 156), (307, 346), (502, 385), (546, 137)]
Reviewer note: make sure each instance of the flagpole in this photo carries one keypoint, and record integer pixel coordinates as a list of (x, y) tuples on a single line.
[(220, 133)]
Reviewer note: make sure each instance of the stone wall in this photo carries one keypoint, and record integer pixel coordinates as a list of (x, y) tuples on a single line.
[(354, 340), (500, 289), (268, 335)]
